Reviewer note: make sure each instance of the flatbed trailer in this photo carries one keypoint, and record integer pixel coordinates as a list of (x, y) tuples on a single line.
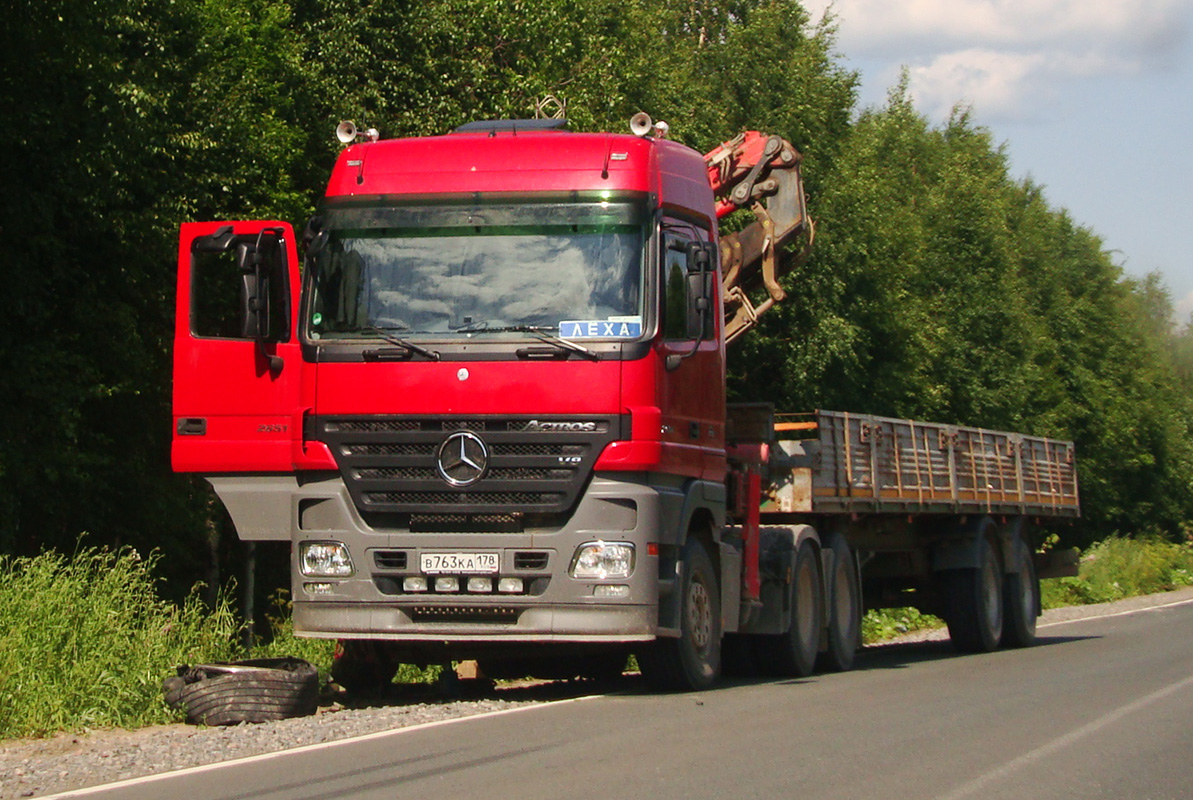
[(878, 512)]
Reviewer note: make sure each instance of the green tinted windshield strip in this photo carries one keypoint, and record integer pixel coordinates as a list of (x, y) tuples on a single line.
[(488, 230), (592, 215)]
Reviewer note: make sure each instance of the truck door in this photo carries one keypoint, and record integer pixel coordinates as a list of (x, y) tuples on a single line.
[(237, 365), (692, 394)]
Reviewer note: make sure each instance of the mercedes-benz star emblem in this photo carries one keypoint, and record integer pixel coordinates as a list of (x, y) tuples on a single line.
[(463, 459)]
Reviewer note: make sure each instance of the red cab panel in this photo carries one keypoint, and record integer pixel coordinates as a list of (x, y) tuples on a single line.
[(237, 365)]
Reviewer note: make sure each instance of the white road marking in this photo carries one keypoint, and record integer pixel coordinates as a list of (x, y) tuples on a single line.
[(980, 783), (1117, 613), (309, 748)]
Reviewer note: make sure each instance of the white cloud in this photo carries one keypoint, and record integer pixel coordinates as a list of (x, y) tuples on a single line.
[(1004, 84), (992, 80), (1183, 308), (1008, 58)]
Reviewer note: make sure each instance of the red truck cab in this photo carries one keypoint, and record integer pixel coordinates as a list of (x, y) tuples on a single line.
[(491, 406)]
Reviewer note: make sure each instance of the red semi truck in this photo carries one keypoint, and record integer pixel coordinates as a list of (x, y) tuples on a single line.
[(489, 415)]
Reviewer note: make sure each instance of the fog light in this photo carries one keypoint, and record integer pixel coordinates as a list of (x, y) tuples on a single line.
[(616, 590), (414, 584), (325, 560), (447, 583), (479, 585), (317, 588), (603, 560), (510, 585)]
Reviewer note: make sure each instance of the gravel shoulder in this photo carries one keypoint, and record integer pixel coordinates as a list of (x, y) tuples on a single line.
[(40, 767)]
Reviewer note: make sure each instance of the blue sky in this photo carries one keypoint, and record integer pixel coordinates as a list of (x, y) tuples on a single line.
[(1093, 99)]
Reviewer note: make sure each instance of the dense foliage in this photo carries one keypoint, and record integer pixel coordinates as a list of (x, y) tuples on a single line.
[(940, 286)]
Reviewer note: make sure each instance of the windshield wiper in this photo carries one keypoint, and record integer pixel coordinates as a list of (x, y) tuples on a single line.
[(398, 341), (545, 335)]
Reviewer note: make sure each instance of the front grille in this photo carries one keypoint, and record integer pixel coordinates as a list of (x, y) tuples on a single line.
[(465, 523), (387, 450), (503, 614), (396, 473), (424, 499), (537, 450), (536, 465), (357, 426)]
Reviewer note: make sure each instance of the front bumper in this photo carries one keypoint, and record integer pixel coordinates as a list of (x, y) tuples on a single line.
[(554, 607)]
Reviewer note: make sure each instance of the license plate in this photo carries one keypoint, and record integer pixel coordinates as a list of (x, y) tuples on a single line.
[(458, 563)]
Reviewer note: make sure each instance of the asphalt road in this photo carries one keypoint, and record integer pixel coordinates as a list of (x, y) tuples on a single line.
[(1101, 708)]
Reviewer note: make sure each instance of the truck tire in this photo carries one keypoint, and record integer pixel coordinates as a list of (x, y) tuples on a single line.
[(975, 606), (792, 654), (1021, 600), (692, 661), (258, 690), (363, 666), (844, 609)]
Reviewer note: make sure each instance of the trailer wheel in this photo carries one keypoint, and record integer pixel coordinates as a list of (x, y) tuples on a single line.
[(844, 610), (1021, 593), (975, 603), (692, 661), (363, 666), (793, 654)]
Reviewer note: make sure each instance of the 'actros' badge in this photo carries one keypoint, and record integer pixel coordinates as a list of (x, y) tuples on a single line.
[(463, 459)]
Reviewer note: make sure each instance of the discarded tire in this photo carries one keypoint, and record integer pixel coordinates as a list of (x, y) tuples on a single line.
[(258, 690)]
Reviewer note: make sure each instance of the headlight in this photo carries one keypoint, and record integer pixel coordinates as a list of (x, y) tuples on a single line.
[(603, 560), (325, 560)]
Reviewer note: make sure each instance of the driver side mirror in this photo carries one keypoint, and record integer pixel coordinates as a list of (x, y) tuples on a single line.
[(701, 265), (254, 292), (256, 266), (702, 271)]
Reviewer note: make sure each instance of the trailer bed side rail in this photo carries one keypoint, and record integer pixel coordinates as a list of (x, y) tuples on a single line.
[(858, 463)]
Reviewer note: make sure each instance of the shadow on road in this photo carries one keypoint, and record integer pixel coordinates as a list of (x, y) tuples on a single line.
[(895, 655), (900, 655)]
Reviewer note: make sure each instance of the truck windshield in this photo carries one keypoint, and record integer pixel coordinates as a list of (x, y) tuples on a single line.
[(455, 271)]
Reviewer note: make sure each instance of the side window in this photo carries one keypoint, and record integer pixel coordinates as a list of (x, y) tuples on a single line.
[(215, 295), (675, 292), (220, 287), (682, 289)]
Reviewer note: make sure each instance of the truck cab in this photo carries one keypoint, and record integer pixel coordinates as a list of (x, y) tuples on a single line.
[(489, 408)]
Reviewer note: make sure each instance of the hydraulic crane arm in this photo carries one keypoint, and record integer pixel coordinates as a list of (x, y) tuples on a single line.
[(762, 173)]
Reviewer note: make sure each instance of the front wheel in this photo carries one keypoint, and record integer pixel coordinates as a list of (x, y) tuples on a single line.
[(692, 661)]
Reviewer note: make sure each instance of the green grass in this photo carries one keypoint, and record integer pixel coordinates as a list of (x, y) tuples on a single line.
[(1117, 568), (880, 624), (87, 641)]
